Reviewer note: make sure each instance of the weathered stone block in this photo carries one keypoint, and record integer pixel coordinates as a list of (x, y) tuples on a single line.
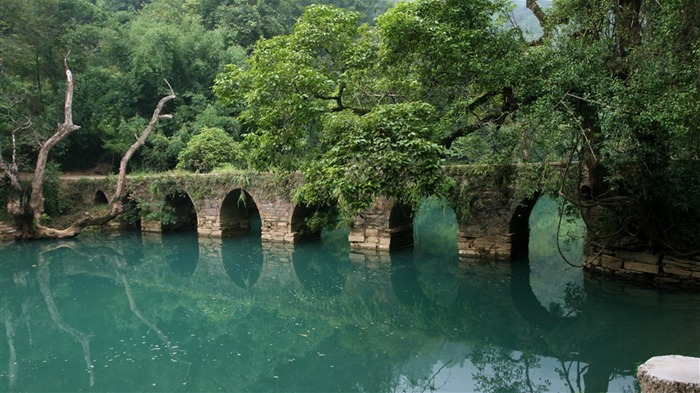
[(356, 237), (641, 257), (641, 267), (593, 261), (676, 263), (470, 253), (372, 232), (150, 226), (609, 262), (372, 240), (485, 245), (676, 271)]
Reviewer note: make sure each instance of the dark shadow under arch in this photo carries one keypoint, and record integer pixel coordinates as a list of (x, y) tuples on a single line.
[(519, 227), (100, 198), (179, 214), (239, 214), (401, 226), (300, 228)]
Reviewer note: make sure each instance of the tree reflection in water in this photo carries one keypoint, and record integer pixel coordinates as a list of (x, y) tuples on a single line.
[(311, 319)]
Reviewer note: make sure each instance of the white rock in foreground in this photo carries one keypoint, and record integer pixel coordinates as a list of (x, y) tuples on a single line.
[(668, 374)]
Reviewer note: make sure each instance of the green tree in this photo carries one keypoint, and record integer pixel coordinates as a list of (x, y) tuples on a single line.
[(34, 38), (389, 151), (209, 149), (454, 55), (160, 40), (249, 21), (315, 100), (291, 81), (621, 87), (341, 101)]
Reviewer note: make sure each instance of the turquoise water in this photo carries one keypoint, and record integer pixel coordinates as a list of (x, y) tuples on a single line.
[(177, 313)]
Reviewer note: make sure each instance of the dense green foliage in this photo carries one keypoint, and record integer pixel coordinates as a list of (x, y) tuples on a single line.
[(369, 100), (120, 52), (209, 149), (619, 97), (385, 152), (292, 81), (625, 97)]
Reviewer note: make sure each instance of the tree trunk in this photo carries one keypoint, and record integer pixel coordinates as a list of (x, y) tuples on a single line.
[(27, 211)]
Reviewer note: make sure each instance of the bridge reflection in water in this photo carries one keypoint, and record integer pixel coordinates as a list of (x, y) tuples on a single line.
[(174, 312)]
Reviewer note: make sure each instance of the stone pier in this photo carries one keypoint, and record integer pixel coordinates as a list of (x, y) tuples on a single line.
[(386, 226)]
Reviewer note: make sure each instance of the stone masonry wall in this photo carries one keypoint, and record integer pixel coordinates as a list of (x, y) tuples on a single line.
[(644, 266), (488, 231), (372, 230)]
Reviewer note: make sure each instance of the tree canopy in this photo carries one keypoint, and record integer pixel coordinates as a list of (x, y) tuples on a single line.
[(612, 85)]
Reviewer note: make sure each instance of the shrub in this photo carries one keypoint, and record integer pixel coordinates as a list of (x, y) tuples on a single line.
[(211, 148)]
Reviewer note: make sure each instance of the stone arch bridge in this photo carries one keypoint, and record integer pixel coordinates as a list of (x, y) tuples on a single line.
[(229, 204), (492, 213)]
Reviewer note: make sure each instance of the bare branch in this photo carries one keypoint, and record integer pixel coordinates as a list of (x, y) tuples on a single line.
[(447, 140), (9, 169), (63, 130), (27, 216), (539, 14), (11, 173), (118, 194)]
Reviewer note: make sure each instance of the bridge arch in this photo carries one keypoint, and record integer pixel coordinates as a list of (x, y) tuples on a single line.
[(519, 227), (400, 226), (178, 213), (239, 214), (100, 198), (543, 258), (299, 222)]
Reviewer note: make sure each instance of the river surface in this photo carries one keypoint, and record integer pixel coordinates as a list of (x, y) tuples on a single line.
[(140, 312)]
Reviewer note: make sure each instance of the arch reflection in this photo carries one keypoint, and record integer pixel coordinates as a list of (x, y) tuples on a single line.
[(243, 259), (322, 270), (181, 252)]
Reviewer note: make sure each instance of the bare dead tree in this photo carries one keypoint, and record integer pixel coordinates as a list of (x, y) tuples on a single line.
[(27, 211), (540, 15)]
